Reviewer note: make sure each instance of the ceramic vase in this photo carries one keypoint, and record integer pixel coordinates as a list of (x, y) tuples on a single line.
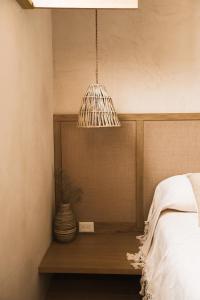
[(65, 227)]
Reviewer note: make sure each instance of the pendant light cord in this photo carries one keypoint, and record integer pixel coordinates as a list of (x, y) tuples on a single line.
[(97, 50)]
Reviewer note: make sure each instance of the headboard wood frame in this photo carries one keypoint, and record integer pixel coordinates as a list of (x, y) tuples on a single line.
[(140, 120)]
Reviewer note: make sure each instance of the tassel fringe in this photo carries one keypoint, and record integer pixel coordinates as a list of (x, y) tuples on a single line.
[(139, 263)]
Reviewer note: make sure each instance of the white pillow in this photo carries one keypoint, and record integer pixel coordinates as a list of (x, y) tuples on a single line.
[(177, 193)]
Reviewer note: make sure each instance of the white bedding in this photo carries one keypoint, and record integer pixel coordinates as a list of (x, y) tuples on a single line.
[(173, 262)]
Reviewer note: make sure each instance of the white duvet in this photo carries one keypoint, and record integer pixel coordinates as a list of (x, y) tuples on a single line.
[(173, 262), (169, 254)]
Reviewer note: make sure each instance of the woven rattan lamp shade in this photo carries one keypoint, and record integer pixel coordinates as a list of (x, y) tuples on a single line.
[(97, 109)]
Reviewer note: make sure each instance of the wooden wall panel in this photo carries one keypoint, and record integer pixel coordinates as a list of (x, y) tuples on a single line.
[(57, 160), (102, 162), (119, 168), (170, 148)]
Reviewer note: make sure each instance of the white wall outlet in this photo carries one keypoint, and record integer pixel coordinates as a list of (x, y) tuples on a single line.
[(86, 226)]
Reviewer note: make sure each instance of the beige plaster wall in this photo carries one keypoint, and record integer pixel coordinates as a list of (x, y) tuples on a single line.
[(149, 58), (26, 149)]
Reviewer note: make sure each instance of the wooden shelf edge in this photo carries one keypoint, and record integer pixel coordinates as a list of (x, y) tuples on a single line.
[(92, 254), (60, 270)]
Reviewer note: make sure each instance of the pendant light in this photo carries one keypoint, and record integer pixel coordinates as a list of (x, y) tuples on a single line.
[(97, 108)]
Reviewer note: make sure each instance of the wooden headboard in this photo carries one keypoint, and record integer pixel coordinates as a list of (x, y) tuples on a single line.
[(119, 168)]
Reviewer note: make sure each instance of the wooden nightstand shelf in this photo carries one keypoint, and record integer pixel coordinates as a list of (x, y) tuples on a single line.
[(101, 253)]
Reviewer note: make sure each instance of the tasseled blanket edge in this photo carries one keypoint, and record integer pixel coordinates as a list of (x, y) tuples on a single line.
[(138, 262)]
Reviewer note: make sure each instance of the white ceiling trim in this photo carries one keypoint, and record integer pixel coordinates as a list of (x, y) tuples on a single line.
[(120, 4)]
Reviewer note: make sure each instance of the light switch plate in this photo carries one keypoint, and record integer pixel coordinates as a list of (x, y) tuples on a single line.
[(86, 226)]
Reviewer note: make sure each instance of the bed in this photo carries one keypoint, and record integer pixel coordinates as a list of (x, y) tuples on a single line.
[(170, 247), (174, 258)]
